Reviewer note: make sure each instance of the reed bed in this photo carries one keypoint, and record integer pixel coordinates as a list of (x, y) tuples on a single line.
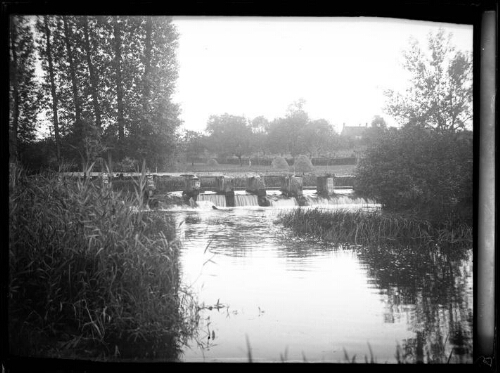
[(91, 274), (360, 227)]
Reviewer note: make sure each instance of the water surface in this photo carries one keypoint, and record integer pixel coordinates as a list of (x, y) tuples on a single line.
[(296, 300)]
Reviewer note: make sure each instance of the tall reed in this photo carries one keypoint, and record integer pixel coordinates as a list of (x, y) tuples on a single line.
[(90, 270), (360, 227)]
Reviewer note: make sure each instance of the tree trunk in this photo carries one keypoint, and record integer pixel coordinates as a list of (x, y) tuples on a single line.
[(92, 73), (53, 89), (15, 94), (79, 129), (119, 87)]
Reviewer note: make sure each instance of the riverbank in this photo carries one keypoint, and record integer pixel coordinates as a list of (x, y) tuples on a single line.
[(90, 276)]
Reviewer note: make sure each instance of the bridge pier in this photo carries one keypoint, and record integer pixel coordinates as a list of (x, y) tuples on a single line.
[(291, 186), (325, 185), (257, 186), (225, 185), (191, 187)]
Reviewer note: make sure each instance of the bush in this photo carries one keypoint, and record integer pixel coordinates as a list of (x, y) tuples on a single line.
[(280, 163), (90, 271), (418, 169), (212, 162), (303, 164), (127, 165)]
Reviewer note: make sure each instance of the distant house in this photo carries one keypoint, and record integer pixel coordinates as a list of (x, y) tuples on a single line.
[(355, 132)]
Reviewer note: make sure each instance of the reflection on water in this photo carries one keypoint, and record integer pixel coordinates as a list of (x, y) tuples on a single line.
[(296, 299)]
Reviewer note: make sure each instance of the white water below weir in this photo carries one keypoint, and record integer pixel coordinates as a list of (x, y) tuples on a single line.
[(340, 200), (245, 200), (276, 200), (218, 200)]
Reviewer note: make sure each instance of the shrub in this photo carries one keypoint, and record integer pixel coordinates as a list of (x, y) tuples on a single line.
[(127, 165), (303, 164), (212, 162), (418, 169), (280, 163), (91, 271)]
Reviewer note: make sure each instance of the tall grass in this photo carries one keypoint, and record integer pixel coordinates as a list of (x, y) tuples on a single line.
[(90, 273), (360, 227)]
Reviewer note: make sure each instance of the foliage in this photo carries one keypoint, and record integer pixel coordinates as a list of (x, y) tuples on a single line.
[(23, 88), (418, 169), (316, 137), (127, 165), (91, 271), (229, 135), (280, 163), (192, 143), (440, 91), (303, 164), (109, 82)]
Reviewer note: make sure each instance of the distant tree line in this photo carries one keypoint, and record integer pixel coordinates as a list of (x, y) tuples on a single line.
[(228, 136), (105, 89)]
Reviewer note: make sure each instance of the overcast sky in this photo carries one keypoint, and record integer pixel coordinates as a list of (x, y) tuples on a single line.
[(253, 66)]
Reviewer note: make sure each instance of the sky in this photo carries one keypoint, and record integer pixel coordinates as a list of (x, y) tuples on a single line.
[(252, 66)]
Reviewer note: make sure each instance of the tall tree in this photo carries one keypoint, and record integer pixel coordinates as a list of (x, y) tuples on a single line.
[(23, 95), (79, 129), (147, 68), (119, 84), (52, 87), (440, 91), (92, 72)]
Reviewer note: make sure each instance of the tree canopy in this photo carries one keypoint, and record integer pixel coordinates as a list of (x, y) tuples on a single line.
[(440, 88), (229, 135), (106, 86)]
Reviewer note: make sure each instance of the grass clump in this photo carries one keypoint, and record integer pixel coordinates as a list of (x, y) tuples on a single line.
[(359, 227), (91, 274)]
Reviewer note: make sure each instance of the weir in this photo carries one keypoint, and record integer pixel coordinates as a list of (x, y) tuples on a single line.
[(217, 199), (246, 200)]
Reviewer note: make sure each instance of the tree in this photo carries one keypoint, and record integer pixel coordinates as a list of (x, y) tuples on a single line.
[(193, 145), (277, 138), (316, 137), (259, 127), (303, 164), (229, 134), (111, 80), (44, 25), (379, 122), (89, 51), (23, 95), (284, 133), (440, 91), (296, 119), (119, 85), (418, 169), (373, 133)]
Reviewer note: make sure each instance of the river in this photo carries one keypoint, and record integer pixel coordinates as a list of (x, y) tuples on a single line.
[(271, 297)]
